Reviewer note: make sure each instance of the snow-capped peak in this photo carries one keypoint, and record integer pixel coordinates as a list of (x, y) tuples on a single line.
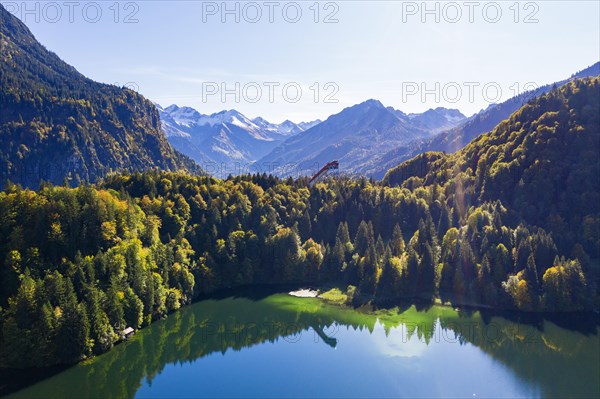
[(232, 116), (451, 114), (186, 117), (171, 108), (285, 128), (261, 122)]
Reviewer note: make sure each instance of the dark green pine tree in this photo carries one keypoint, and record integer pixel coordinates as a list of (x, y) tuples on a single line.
[(305, 226), (412, 273), (389, 281), (333, 262), (397, 243), (72, 343), (370, 270), (364, 237), (426, 279), (101, 332), (342, 233)]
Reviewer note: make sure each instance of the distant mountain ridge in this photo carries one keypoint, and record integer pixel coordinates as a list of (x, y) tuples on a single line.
[(225, 142), (456, 138), (369, 146), (56, 123), (285, 128), (354, 136)]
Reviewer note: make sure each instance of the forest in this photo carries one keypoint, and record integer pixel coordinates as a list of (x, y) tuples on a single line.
[(510, 222)]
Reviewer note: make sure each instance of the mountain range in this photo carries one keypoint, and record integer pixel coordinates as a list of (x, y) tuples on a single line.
[(224, 142), (57, 124), (369, 141), (354, 136), (367, 138), (456, 138), (229, 142)]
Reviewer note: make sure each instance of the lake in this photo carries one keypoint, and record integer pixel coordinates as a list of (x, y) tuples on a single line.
[(282, 346)]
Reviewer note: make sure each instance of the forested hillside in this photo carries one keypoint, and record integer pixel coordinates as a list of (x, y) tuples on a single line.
[(458, 137), (478, 227), (56, 124), (542, 163)]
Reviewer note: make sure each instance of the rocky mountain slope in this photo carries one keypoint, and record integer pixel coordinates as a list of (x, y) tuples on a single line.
[(56, 124)]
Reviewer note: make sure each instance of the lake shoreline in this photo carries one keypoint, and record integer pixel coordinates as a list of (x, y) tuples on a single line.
[(211, 336), (576, 321)]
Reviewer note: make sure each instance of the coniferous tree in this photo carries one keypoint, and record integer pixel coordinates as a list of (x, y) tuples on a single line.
[(397, 242)]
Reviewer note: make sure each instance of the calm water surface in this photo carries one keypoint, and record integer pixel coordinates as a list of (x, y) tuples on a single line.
[(281, 346)]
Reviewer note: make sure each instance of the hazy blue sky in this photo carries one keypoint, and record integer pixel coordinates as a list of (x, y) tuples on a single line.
[(177, 51)]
